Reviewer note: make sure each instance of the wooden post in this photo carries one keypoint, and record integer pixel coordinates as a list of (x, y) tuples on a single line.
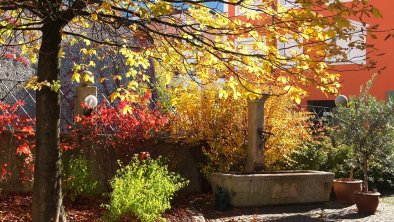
[(81, 92), (255, 152)]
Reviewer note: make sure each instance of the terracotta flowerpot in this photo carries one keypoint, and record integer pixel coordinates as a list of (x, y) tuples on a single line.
[(367, 203), (344, 189)]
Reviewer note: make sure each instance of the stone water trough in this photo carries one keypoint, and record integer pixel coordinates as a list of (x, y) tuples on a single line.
[(268, 188)]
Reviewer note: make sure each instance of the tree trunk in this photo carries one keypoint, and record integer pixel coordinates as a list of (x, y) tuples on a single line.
[(351, 175), (152, 83), (47, 195), (365, 172)]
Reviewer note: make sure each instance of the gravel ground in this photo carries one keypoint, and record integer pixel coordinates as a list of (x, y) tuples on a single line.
[(201, 209)]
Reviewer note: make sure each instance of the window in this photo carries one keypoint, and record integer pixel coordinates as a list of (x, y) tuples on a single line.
[(190, 56), (320, 108), (289, 3), (332, 1), (290, 49), (353, 46), (225, 8), (248, 44), (239, 10)]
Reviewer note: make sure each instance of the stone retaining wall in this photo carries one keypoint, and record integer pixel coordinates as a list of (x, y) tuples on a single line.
[(182, 159)]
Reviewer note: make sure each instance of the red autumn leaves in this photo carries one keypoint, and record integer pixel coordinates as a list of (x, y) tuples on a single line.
[(107, 125)]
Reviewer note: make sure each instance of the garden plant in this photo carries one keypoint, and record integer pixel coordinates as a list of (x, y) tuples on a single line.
[(366, 125), (143, 190), (220, 126), (184, 40)]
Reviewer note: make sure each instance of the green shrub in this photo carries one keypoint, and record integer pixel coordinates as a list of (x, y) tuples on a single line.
[(381, 174), (143, 189), (339, 160), (310, 156), (322, 153), (78, 180), (366, 125)]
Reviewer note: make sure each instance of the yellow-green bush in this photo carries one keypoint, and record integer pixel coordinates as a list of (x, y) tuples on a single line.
[(143, 189), (202, 116)]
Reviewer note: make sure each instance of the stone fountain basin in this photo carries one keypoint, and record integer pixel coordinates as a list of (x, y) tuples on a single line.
[(279, 187)]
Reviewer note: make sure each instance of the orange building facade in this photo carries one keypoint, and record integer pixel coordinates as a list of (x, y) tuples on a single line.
[(355, 74)]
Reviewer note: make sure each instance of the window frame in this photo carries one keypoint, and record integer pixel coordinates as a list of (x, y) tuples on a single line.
[(332, 1), (361, 29), (286, 49), (237, 8), (249, 40), (289, 3)]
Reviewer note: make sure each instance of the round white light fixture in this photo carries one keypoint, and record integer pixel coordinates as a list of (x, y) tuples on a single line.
[(341, 100), (91, 101)]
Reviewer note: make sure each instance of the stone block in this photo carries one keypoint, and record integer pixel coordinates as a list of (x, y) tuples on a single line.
[(268, 188)]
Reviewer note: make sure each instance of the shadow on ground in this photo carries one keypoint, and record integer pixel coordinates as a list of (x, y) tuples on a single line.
[(330, 211)]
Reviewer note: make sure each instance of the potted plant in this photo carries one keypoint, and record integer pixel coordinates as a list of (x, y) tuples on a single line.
[(367, 126), (345, 187)]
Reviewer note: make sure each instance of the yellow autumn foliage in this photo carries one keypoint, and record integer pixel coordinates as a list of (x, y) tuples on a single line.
[(220, 125), (290, 128), (191, 38)]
